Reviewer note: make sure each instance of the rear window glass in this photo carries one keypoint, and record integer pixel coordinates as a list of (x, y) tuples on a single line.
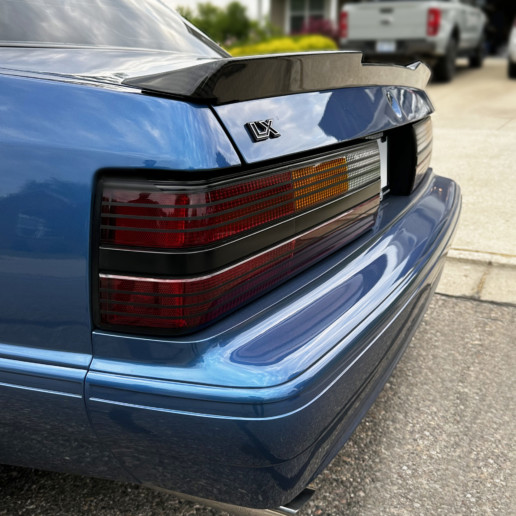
[(146, 24)]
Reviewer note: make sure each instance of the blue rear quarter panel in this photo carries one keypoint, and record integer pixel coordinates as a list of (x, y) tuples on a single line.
[(54, 138)]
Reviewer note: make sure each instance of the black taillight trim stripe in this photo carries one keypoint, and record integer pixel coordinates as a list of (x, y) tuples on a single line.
[(372, 205), (365, 224)]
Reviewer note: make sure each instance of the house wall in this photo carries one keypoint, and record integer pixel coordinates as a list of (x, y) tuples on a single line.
[(280, 8), (278, 13)]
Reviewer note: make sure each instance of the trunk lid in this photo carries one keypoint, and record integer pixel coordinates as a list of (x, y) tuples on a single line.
[(303, 102), (91, 65)]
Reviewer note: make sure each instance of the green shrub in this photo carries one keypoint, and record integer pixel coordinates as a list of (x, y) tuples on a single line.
[(223, 25), (309, 43)]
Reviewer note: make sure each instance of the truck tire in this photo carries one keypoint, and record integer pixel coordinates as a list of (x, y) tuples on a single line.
[(511, 71), (444, 70), (476, 59)]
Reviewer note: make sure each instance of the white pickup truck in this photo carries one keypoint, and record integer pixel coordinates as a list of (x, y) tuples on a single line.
[(436, 32)]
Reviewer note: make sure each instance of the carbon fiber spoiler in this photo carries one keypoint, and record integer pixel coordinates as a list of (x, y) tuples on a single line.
[(227, 80)]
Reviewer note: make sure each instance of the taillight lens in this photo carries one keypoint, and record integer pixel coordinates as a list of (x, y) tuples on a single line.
[(173, 220), (344, 25), (433, 21), (410, 151), (424, 144), (168, 217), (189, 303), (217, 246)]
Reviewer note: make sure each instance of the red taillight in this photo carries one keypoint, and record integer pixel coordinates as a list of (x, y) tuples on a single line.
[(139, 217), (433, 21), (174, 220), (344, 24), (178, 255), (186, 304)]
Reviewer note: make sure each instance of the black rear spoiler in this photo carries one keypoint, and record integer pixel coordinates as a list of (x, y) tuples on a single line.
[(226, 80)]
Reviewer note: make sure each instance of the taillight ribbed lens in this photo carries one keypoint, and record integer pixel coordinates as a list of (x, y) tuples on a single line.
[(174, 220), (186, 304), (168, 218), (145, 219), (424, 144)]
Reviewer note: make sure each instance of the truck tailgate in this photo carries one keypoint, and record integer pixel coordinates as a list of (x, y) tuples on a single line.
[(387, 20)]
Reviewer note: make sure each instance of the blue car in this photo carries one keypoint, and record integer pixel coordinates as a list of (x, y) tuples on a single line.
[(209, 265)]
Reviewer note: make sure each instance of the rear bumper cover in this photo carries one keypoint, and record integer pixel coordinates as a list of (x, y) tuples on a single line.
[(252, 410)]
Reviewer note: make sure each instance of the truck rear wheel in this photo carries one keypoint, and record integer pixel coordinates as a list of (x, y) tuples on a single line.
[(512, 70), (476, 59), (444, 70)]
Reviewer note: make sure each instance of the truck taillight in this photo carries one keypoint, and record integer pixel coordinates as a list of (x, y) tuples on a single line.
[(177, 255), (344, 24), (433, 21)]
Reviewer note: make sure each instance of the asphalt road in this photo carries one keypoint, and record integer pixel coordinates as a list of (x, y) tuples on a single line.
[(440, 439)]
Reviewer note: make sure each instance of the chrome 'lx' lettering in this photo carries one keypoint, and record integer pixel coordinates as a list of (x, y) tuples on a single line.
[(262, 130)]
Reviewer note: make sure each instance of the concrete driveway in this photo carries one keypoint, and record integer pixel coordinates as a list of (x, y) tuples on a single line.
[(475, 144)]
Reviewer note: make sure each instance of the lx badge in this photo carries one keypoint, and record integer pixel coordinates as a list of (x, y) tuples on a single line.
[(262, 130)]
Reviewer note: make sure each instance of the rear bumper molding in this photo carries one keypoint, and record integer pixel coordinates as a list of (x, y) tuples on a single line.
[(280, 394)]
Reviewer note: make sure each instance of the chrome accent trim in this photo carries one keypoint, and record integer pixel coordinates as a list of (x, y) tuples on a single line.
[(289, 509), (296, 504)]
